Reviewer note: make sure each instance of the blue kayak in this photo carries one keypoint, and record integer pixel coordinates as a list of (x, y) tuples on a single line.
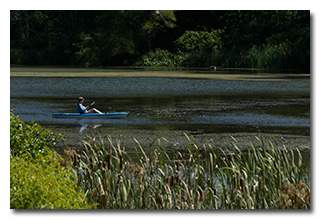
[(114, 115)]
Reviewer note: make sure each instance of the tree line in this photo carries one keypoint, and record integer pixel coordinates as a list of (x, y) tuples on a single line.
[(181, 38)]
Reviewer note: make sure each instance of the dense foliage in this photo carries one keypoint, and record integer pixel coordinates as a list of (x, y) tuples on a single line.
[(30, 139), (263, 39), (38, 177), (44, 184)]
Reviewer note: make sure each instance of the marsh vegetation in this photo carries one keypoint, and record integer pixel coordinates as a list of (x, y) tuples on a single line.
[(267, 176), (104, 176)]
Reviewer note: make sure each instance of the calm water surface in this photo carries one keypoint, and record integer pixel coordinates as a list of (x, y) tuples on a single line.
[(198, 105)]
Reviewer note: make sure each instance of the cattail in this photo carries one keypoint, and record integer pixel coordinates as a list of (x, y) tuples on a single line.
[(121, 162), (177, 178), (91, 162), (168, 181), (177, 173), (202, 195), (261, 183), (242, 183), (108, 161), (233, 182)]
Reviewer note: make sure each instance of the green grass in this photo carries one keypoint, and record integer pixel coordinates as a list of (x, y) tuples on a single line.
[(265, 177)]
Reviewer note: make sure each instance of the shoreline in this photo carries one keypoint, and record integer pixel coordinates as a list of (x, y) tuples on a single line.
[(197, 73), (176, 140)]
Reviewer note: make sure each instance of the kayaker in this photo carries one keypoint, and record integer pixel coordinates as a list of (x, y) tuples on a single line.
[(84, 110)]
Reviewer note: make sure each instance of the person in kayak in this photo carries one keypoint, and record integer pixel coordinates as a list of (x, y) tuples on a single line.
[(84, 110)]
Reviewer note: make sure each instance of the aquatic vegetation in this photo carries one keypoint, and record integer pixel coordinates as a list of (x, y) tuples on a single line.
[(204, 178), (294, 196), (268, 56)]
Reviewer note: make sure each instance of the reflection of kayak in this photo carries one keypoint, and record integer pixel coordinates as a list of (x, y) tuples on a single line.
[(114, 115)]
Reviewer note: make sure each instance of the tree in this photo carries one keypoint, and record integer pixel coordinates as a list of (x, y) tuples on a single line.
[(201, 48), (109, 38)]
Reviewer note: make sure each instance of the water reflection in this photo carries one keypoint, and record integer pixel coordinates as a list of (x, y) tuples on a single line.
[(84, 125)]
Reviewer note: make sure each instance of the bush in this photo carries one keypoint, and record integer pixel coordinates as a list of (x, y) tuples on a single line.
[(160, 58), (43, 184), (37, 179), (30, 139)]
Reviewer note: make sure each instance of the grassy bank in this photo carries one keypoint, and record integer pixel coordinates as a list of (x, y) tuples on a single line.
[(104, 176)]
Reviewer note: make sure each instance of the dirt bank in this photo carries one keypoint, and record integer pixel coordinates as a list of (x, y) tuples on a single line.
[(174, 139)]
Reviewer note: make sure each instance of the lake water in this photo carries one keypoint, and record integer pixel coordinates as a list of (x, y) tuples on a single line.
[(201, 106)]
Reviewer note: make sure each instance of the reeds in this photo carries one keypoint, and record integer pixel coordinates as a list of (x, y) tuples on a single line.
[(269, 57), (205, 177)]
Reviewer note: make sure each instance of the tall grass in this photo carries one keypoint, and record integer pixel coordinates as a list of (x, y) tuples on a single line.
[(266, 176), (268, 57)]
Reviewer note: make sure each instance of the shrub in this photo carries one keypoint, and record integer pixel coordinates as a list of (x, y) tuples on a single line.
[(43, 184), (160, 58), (30, 139), (37, 179)]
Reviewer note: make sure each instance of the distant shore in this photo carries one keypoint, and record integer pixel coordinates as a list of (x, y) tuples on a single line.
[(158, 72)]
